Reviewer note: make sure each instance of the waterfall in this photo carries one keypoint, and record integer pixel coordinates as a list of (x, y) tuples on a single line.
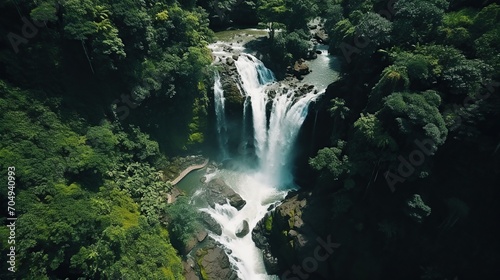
[(287, 116), (274, 139), (243, 147), (254, 76), (221, 116)]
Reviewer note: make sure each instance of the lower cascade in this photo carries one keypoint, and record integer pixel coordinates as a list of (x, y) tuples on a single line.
[(277, 116)]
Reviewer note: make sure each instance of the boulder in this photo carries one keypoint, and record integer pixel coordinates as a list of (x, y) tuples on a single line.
[(218, 192), (210, 223), (290, 233), (261, 237), (232, 94), (194, 240), (189, 272), (230, 61), (241, 232), (321, 36), (270, 262), (214, 263), (201, 235), (300, 68)]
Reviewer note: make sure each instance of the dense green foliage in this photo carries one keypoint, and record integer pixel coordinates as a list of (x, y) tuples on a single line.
[(86, 206), (134, 56), (415, 133), (96, 95), (183, 222), (93, 95), (289, 36)]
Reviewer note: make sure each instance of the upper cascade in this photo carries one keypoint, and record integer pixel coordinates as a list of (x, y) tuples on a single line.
[(278, 112)]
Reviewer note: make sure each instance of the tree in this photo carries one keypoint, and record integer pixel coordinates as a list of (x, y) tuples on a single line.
[(272, 13), (487, 48), (374, 31), (420, 69), (417, 21), (486, 20), (409, 116), (466, 77), (46, 11), (299, 13), (416, 209), (183, 222), (332, 161), (393, 78), (369, 128), (333, 14), (455, 29)]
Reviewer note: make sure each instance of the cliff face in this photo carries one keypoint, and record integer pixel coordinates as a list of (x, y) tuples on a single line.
[(295, 239), (307, 235), (422, 230)]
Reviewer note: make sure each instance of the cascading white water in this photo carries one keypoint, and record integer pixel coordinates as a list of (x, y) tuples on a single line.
[(269, 183), (274, 142), (287, 116), (244, 256), (220, 114), (243, 147), (254, 76)]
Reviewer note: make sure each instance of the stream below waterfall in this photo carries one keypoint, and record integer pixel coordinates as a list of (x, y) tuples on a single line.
[(276, 119)]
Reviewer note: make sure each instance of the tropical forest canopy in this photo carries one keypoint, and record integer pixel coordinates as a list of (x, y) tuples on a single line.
[(98, 96)]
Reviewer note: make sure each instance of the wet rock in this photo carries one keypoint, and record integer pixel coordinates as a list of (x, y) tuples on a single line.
[(243, 230), (312, 55), (234, 98), (218, 192), (210, 223), (230, 61), (271, 94), (201, 235), (261, 235), (235, 56), (321, 36), (214, 263), (300, 68), (189, 271), (270, 262), (194, 240)]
